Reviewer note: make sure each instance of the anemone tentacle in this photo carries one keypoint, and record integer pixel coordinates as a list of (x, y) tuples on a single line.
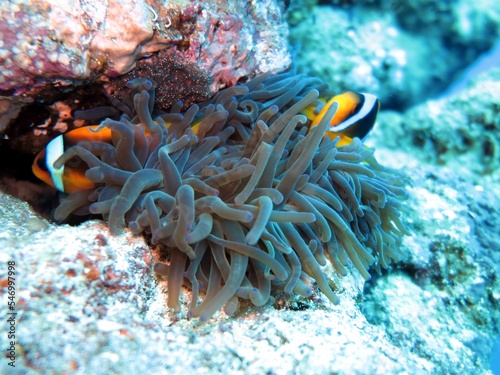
[(249, 201)]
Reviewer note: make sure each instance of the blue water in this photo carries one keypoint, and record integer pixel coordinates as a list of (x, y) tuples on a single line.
[(495, 359)]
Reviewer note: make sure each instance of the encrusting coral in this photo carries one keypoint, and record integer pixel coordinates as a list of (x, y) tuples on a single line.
[(243, 196)]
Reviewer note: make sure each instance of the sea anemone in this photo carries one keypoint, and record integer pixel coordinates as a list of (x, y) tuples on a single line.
[(245, 198)]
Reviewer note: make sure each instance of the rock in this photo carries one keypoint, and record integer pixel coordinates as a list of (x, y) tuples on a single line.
[(53, 46), (88, 301), (461, 129)]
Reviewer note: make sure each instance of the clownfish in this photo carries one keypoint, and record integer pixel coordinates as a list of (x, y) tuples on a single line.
[(67, 179), (355, 116)]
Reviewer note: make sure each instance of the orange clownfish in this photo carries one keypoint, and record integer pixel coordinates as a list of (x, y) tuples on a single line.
[(64, 179), (355, 116)]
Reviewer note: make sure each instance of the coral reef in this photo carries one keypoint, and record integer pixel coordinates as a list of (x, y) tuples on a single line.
[(436, 312), (87, 300), (72, 40), (49, 45)]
